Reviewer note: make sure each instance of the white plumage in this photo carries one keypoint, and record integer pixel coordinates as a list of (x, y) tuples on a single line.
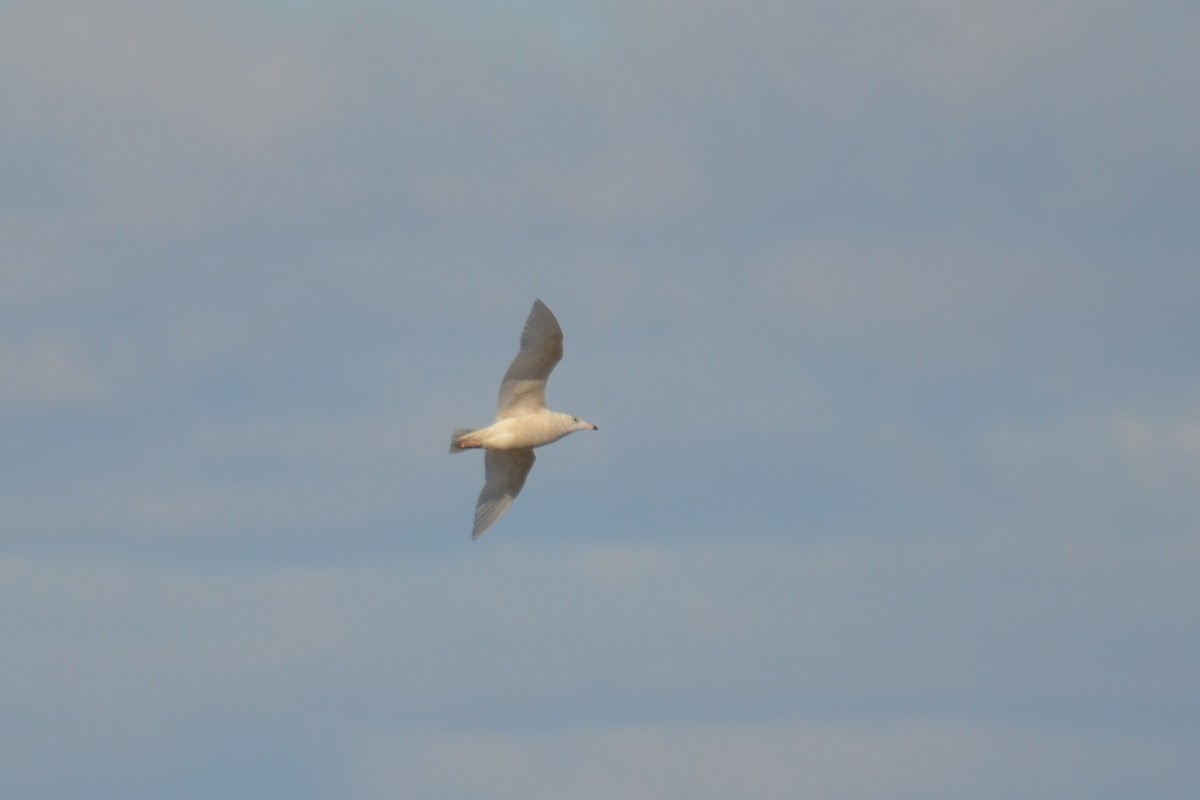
[(522, 423)]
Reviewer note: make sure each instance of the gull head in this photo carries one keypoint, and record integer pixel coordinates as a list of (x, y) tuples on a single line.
[(576, 424)]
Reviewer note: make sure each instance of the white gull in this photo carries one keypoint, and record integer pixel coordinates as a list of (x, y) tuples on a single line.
[(523, 421)]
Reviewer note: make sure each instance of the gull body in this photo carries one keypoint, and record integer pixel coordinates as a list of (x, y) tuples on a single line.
[(518, 433), (522, 423)]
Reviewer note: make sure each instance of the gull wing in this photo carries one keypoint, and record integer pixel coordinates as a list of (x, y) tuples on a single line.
[(504, 474), (523, 389)]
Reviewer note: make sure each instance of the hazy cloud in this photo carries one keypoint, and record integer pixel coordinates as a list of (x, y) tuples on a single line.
[(885, 313)]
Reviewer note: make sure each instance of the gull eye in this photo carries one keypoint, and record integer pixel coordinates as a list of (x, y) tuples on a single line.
[(574, 419)]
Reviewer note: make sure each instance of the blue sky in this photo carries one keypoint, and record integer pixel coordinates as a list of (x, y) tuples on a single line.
[(887, 315)]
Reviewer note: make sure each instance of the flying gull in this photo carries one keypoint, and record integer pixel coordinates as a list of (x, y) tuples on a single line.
[(523, 421)]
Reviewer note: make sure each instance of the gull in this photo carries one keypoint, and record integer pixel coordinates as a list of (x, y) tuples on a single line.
[(523, 421)]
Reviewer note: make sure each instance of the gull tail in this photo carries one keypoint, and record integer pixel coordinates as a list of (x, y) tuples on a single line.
[(456, 437)]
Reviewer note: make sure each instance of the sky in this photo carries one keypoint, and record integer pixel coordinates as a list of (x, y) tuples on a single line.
[(887, 314)]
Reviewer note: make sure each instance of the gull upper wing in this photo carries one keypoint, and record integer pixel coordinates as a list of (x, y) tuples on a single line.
[(504, 474), (524, 386)]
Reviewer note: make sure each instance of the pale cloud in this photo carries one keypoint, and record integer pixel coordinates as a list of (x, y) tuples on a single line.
[(701, 669), (50, 374), (625, 179), (150, 112), (1160, 455), (907, 757), (932, 297), (1081, 470), (716, 630), (158, 69), (518, 127), (1138, 435)]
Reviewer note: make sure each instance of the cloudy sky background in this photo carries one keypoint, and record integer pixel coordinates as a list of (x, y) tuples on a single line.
[(887, 314)]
